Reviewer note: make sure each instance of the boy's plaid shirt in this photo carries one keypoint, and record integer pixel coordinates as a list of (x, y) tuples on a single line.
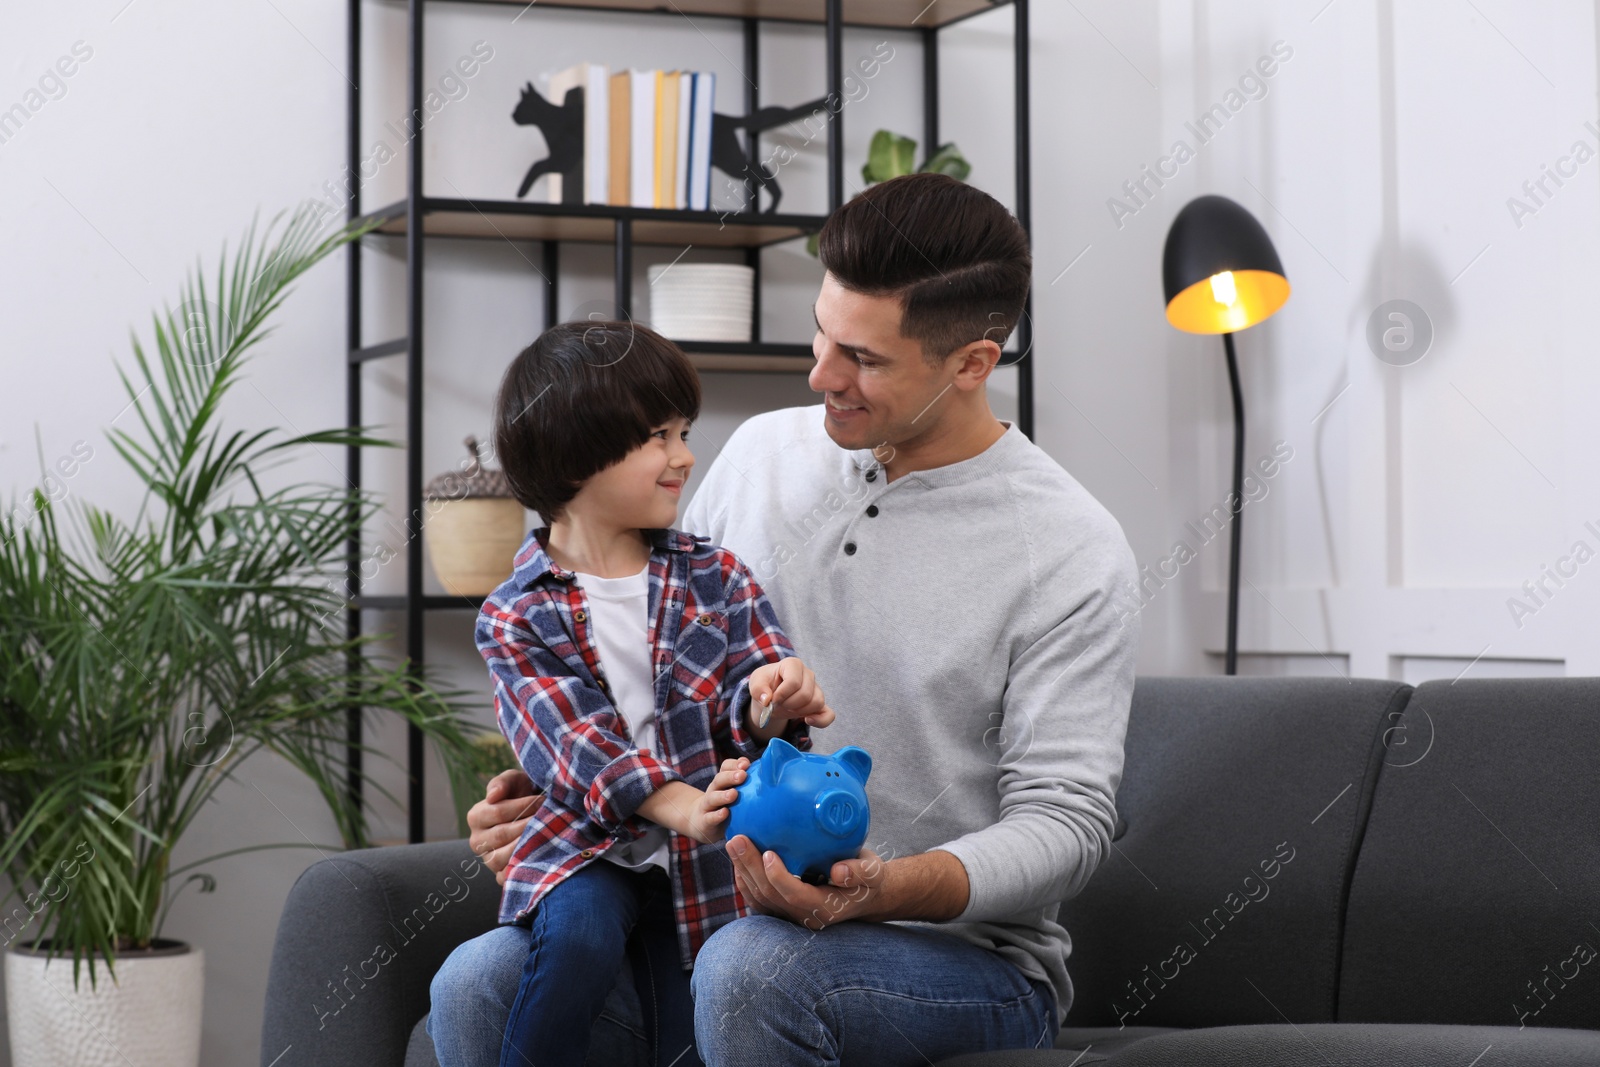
[(710, 626)]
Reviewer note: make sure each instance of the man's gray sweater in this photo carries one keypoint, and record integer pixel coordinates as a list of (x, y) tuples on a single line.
[(974, 628)]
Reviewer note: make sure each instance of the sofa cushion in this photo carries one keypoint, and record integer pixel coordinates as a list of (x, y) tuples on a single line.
[(1474, 896), (1107, 1037), (1103, 1042), (1221, 902), (1084, 1045), (1076, 1046), (1315, 1045), (420, 1051), (1360, 1045)]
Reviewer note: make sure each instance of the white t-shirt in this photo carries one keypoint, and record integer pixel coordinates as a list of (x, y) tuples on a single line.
[(619, 616)]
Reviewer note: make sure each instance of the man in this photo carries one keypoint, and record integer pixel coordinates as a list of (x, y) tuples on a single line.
[(968, 607)]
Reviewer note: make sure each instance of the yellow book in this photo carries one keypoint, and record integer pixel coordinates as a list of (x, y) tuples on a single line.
[(621, 131), (666, 137)]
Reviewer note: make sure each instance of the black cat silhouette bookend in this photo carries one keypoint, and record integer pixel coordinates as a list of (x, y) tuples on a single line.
[(562, 126), (728, 156)]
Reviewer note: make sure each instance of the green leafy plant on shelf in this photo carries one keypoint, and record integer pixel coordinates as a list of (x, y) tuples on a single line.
[(891, 154), (143, 662)]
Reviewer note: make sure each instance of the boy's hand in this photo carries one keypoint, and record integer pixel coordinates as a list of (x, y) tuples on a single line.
[(788, 690), (708, 822)]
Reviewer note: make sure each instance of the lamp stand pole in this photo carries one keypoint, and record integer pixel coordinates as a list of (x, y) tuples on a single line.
[(1238, 506)]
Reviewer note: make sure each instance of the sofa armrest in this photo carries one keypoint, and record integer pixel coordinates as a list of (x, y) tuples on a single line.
[(361, 936)]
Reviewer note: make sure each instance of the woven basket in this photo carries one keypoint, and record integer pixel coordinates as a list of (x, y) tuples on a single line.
[(473, 527)]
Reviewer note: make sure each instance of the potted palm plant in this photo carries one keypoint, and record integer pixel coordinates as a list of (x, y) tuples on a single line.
[(142, 661)]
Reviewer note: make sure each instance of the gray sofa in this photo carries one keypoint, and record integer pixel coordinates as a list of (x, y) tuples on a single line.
[(1306, 871)]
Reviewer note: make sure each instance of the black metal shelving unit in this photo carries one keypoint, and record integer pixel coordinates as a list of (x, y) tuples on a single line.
[(418, 217)]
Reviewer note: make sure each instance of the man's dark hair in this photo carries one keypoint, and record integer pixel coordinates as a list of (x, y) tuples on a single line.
[(954, 256), (580, 398)]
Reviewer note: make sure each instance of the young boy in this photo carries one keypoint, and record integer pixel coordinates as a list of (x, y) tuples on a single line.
[(637, 670)]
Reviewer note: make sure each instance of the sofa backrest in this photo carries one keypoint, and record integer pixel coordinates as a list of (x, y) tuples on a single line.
[(1221, 901), (1476, 897)]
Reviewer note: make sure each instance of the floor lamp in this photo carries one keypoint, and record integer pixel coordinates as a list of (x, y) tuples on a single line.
[(1221, 274)]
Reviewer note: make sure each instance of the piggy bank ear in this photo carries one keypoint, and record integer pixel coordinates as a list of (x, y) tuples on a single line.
[(778, 753), (856, 761)]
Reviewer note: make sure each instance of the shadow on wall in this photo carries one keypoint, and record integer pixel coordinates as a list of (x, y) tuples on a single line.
[(1404, 308)]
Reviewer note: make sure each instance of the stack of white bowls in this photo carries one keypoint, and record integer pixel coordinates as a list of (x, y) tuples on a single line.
[(701, 301)]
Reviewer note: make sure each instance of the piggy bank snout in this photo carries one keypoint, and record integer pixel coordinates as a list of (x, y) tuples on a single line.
[(839, 812)]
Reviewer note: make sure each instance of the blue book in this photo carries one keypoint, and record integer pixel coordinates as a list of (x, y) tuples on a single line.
[(705, 93)]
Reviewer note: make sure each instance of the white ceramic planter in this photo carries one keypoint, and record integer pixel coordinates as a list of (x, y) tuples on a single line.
[(148, 1017)]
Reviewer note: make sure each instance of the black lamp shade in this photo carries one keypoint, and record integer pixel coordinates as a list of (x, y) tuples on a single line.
[(1220, 272)]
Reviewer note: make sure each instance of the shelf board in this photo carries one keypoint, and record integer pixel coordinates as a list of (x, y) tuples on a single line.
[(429, 603), (728, 355), (896, 14), (519, 220)]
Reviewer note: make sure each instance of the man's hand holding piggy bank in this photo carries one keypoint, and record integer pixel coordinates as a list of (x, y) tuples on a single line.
[(808, 808)]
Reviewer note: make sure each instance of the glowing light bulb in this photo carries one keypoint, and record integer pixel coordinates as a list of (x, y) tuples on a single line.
[(1223, 290)]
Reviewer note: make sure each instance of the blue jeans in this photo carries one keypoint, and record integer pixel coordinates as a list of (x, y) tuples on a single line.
[(474, 991), (859, 993), (580, 933), (470, 997), (478, 996)]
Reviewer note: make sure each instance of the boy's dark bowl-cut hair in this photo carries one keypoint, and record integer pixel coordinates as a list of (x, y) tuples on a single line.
[(955, 257), (580, 398)]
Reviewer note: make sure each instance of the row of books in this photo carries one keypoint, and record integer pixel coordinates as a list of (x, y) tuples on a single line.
[(646, 136)]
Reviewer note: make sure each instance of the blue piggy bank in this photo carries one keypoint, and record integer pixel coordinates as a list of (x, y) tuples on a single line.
[(809, 809)]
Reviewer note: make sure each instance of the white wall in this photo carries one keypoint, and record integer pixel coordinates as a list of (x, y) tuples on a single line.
[(165, 142), (1380, 160)]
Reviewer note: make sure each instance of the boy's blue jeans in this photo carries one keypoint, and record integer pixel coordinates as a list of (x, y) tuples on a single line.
[(530, 993), (578, 936)]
